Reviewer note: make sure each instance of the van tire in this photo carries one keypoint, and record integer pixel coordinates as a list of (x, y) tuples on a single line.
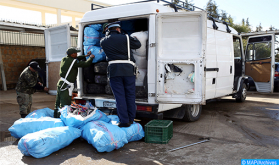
[(101, 68), (242, 93), (192, 112)]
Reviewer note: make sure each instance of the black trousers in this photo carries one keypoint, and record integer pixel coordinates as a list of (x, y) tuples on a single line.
[(123, 88)]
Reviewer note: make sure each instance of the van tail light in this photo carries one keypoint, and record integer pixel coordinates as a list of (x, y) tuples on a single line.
[(276, 74), (80, 101), (144, 108)]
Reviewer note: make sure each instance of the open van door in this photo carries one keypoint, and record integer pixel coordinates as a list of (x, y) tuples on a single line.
[(260, 60), (180, 52), (57, 41)]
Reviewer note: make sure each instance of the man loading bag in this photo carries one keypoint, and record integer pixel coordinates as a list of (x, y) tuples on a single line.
[(121, 70), (68, 73)]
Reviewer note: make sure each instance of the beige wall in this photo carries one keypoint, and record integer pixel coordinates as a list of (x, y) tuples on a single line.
[(71, 8)]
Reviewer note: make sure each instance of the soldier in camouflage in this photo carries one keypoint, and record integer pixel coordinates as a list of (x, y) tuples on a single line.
[(26, 87)]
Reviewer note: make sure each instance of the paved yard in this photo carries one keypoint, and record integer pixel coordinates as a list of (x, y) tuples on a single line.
[(248, 130)]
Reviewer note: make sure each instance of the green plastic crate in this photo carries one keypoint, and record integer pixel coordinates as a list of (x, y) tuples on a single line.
[(158, 131)]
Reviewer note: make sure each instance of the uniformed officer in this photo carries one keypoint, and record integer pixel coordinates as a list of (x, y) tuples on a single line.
[(121, 71), (26, 87), (68, 73)]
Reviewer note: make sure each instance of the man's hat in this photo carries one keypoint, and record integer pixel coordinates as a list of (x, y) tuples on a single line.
[(104, 27), (113, 24), (34, 65), (72, 50)]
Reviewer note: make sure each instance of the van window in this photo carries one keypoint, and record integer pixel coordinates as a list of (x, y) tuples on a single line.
[(257, 51), (237, 48)]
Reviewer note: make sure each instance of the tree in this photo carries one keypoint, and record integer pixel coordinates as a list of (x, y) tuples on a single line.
[(247, 22), (212, 9), (187, 4), (230, 19), (259, 28), (243, 22), (224, 16), (271, 28)]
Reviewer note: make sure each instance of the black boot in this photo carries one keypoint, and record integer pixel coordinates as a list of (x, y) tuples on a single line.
[(124, 124), (23, 115), (56, 113)]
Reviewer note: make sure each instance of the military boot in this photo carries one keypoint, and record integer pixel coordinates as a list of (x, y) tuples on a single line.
[(56, 113)]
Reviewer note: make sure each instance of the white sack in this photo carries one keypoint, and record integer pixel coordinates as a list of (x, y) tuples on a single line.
[(140, 78), (142, 37), (140, 61)]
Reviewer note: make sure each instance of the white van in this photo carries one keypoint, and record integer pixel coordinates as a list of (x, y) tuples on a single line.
[(208, 51)]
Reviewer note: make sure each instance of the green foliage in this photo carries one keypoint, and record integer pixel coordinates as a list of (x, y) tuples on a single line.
[(187, 4), (259, 28), (241, 28), (212, 9)]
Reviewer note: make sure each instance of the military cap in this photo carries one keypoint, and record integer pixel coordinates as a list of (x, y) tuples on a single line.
[(104, 27), (34, 65), (72, 50)]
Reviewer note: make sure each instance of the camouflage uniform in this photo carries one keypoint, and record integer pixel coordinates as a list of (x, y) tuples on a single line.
[(25, 89)]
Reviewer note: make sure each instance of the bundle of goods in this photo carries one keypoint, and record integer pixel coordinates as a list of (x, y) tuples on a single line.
[(45, 112), (133, 133), (25, 126), (103, 136), (42, 143), (97, 52), (98, 79), (92, 37), (77, 109), (140, 56), (78, 115)]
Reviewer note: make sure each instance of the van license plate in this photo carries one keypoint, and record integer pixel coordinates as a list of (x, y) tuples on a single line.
[(109, 104)]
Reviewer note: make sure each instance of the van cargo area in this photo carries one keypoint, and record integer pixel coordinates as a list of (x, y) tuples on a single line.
[(95, 80)]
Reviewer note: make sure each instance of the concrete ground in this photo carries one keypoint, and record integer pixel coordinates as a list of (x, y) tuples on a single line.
[(248, 130)]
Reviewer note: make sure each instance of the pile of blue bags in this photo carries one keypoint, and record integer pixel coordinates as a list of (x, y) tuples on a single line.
[(92, 36), (40, 134)]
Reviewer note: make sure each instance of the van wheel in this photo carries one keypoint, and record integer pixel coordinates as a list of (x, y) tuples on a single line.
[(241, 95), (192, 112)]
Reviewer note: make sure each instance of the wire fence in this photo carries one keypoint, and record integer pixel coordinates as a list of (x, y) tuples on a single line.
[(26, 39)]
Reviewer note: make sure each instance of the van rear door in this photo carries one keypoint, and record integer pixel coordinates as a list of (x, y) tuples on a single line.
[(180, 52), (260, 61), (57, 41)]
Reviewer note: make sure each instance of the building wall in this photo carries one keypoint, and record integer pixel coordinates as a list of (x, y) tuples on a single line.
[(15, 59)]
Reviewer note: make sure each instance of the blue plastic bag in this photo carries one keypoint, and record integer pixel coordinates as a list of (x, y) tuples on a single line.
[(114, 119), (78, 121), (97, 52), (42, 143), (134, 132), (103, 136), (91, 37), (25, 126), (45, 112), (97, 27)]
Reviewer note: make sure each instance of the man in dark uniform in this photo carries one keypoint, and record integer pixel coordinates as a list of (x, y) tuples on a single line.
[(26, 87), (121, 73), (68, 73)]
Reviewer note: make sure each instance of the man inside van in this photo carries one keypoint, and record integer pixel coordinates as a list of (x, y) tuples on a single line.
[(121, 71), (68, 74), (26, 87)]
